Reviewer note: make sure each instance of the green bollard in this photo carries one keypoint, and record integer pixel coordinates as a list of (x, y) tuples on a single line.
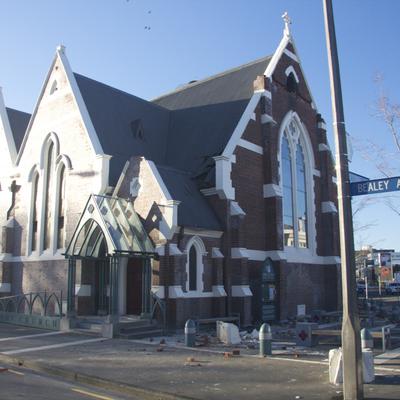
[(190, 333), (265, 337)]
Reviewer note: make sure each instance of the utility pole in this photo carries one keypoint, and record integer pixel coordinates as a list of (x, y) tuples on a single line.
[(351, 342)]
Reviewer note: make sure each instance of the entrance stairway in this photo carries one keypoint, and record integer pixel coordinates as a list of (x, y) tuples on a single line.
[(130, 326)]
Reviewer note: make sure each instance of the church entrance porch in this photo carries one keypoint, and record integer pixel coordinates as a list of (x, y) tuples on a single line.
[(112, 254)]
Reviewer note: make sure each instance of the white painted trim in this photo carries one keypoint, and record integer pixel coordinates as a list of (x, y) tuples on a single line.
[(292, 255), (242, 125), (173, 250), (83, 290), (317, 172), (203, 233), (266, 119), (291, 55), (86, 121), (200, 253), (251, 146), (223, 180), (5, 287), (235, 209), (290, 70), (219, 291), (323, 147), (271, 190), (328, 207), (241, 291), (5, 123), (216, 253), (239, 252), (209, 191), (159, 180)]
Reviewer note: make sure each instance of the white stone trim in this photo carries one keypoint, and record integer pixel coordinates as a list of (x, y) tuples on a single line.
[(290, 70), (334, 180), (160, 250), (200, 253), (317, 172), (242, 125), (216, 253), (291, 255), (266, 119), (32, 257), (291, 55), (267, 94), (253, 116), (219, 291), (176, 292), (328, 207), (158, 291), (77, 97), (235, 209), (5, 287), (241, 291), (271, 190), (209, 191), (173, 250), (223, 180), (203, 233), (83, 290), (239, 252), (251, 146), (323, 147), (321, 125)]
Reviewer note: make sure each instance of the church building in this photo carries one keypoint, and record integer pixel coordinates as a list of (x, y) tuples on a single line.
[(216, 199)]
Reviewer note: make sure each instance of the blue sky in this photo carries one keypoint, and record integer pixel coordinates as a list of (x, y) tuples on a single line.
[(108, 40)]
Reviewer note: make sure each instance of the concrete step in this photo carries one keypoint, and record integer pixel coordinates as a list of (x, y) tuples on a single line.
[(93, 327), (142, 334), (135, 324)]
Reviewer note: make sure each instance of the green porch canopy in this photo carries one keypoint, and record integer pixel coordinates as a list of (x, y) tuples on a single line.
[(109, 226)]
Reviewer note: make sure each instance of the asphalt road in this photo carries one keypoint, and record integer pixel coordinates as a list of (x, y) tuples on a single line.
[(20, 383)]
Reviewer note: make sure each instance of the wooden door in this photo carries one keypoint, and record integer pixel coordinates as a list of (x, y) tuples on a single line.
[(134, 287)]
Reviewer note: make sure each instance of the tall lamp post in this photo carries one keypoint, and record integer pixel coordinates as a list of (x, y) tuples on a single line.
[(351, 342)]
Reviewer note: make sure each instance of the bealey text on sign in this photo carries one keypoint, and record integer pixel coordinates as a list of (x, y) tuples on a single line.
[(375, 186)]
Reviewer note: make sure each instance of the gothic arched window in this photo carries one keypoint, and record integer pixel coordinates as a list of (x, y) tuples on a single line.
[(294, 187), (60, 212), (48, 196), (192, 269), (195, 251), (34, 237)]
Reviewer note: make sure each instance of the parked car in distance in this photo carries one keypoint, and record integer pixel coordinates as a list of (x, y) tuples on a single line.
[(392, 288)]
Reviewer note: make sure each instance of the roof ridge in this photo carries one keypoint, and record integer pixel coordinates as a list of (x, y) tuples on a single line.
[(209, 78), (14, 109), (120, 91)]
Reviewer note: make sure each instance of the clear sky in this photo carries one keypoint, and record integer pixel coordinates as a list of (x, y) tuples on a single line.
[(110, 40)]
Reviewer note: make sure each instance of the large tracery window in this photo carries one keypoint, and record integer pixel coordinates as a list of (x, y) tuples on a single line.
[(294, 187)]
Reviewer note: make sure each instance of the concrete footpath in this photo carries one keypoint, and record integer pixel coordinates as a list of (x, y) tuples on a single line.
[(154, 371)]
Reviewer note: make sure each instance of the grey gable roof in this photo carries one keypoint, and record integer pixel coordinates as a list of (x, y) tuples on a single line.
[(19, 121), (194, 210), (115, 115), (205, 114), (182, 131)]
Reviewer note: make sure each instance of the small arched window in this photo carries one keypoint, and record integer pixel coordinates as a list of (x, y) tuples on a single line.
[(192, 269), (291, 83), (34, 237), (48, 196), (61, 208)]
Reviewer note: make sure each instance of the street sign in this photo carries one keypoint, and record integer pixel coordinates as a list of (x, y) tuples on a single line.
[(375, 186)]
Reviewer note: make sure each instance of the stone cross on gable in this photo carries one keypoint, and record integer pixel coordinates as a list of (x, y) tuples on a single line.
[(287, 22)]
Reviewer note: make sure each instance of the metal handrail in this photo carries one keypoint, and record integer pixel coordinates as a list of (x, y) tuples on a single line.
[(159, 303), (45, 299)]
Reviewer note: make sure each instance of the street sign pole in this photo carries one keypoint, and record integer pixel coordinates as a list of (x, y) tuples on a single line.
[(351, 342)]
